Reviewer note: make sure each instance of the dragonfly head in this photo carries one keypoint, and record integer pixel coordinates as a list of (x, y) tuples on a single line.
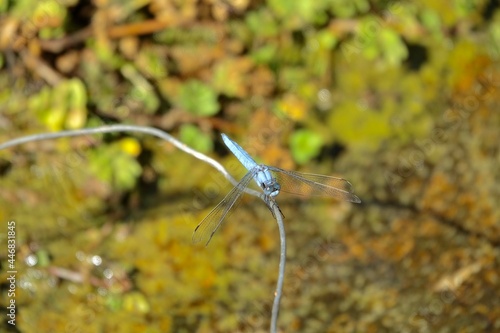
[(271, 188)]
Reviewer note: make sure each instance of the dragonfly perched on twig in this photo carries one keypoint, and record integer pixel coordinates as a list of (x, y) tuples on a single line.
[(272, 181)]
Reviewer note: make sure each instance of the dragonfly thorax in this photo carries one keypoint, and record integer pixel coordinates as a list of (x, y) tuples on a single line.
[(266, 181)]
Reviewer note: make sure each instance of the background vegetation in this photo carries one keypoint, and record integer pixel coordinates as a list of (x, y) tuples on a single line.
[(398, 97)]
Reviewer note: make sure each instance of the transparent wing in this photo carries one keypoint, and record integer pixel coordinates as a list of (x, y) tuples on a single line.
[(207, 228), (312, 184)]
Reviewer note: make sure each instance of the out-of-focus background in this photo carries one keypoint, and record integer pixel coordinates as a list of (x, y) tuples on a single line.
[(400, 98)]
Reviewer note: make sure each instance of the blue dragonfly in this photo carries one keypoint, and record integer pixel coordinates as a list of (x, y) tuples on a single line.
[(272, 181)]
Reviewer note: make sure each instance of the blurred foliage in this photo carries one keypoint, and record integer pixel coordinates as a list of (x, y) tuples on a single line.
[(305, 145), (194, 138), (197, 98), (115, 164), (64, 106), (397, 97)]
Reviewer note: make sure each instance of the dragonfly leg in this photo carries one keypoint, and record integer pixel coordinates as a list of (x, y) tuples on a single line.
[(271, 203)]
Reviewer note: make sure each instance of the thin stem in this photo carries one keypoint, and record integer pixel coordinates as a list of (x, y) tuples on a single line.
[(281, 274), (128, 128)]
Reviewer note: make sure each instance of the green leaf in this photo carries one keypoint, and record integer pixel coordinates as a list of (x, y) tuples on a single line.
[(63, 106), (43, 258), (196, 139), (431, 20), (394, 49), (4, 5), (262, 24), (349, 8), (151, 61), (114, 302), (356, 125), (141, 91), (265, 54), (127, 170), (305, 145), (136, 302), (77, 104), (230, 76), (298, 13), (115, 167), (198, 98)]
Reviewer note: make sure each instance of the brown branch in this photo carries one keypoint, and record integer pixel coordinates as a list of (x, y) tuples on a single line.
[(132, 29), (57, 45), (38, 66), (136, 29)]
